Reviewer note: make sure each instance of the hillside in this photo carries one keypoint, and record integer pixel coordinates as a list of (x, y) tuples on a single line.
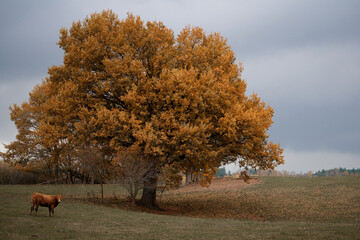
[(219, 184)]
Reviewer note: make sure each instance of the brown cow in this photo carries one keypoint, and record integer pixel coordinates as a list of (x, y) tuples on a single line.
[(50, 201)]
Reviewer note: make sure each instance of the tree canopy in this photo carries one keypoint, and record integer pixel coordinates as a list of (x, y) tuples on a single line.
[(130, 85)]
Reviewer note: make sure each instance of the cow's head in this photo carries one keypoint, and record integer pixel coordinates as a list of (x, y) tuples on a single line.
[(59, 197)]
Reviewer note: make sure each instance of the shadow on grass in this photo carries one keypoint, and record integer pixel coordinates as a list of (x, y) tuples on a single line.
[(276, 200)]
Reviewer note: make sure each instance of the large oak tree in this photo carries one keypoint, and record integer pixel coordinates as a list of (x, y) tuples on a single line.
[(176, 100)]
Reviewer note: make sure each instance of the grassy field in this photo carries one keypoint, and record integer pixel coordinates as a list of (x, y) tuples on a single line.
[(277, 208)]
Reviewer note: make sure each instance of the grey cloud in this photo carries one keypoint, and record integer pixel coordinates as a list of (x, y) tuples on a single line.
[(327, 127), (313, 74), (28, 41), (303, 161), (314, 91), (273, 25), (12, 92)]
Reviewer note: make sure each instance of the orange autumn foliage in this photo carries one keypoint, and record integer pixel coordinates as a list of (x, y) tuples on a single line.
[(180, 100)]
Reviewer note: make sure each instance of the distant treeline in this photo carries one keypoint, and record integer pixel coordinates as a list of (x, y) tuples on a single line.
[(323, 173), (221, 172), (338, 172)]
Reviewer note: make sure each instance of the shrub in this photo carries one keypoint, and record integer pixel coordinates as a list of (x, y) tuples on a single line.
[(12, 175)]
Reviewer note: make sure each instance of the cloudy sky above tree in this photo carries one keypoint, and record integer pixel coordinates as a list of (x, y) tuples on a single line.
[(301, 57)]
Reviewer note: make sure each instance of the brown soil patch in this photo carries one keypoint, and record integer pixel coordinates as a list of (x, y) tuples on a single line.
[(223, 184)]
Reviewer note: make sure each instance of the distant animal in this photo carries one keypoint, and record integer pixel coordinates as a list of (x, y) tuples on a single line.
[(50, 201)]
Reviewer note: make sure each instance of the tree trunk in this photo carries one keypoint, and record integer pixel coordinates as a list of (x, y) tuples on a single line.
[(56, 171), (148, 198), (71, 177), (189, 177), (102, 192), (56, 162), (50, 170)]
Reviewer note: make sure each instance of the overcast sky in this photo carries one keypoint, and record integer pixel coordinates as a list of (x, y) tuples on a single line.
[(302, 57)]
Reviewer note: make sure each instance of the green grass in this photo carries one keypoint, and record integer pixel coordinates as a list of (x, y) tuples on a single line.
[(277, 201)]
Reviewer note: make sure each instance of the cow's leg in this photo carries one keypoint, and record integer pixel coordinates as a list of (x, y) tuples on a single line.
[(36, 208), (32, 208), (52, 210), (49, 211)]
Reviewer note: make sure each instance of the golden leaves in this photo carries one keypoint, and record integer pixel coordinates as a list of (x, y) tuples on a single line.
[(132, 83)]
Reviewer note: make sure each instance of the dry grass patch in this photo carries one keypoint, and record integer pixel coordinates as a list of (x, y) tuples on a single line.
[(219, 184), (267, 199), (272, 199)]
